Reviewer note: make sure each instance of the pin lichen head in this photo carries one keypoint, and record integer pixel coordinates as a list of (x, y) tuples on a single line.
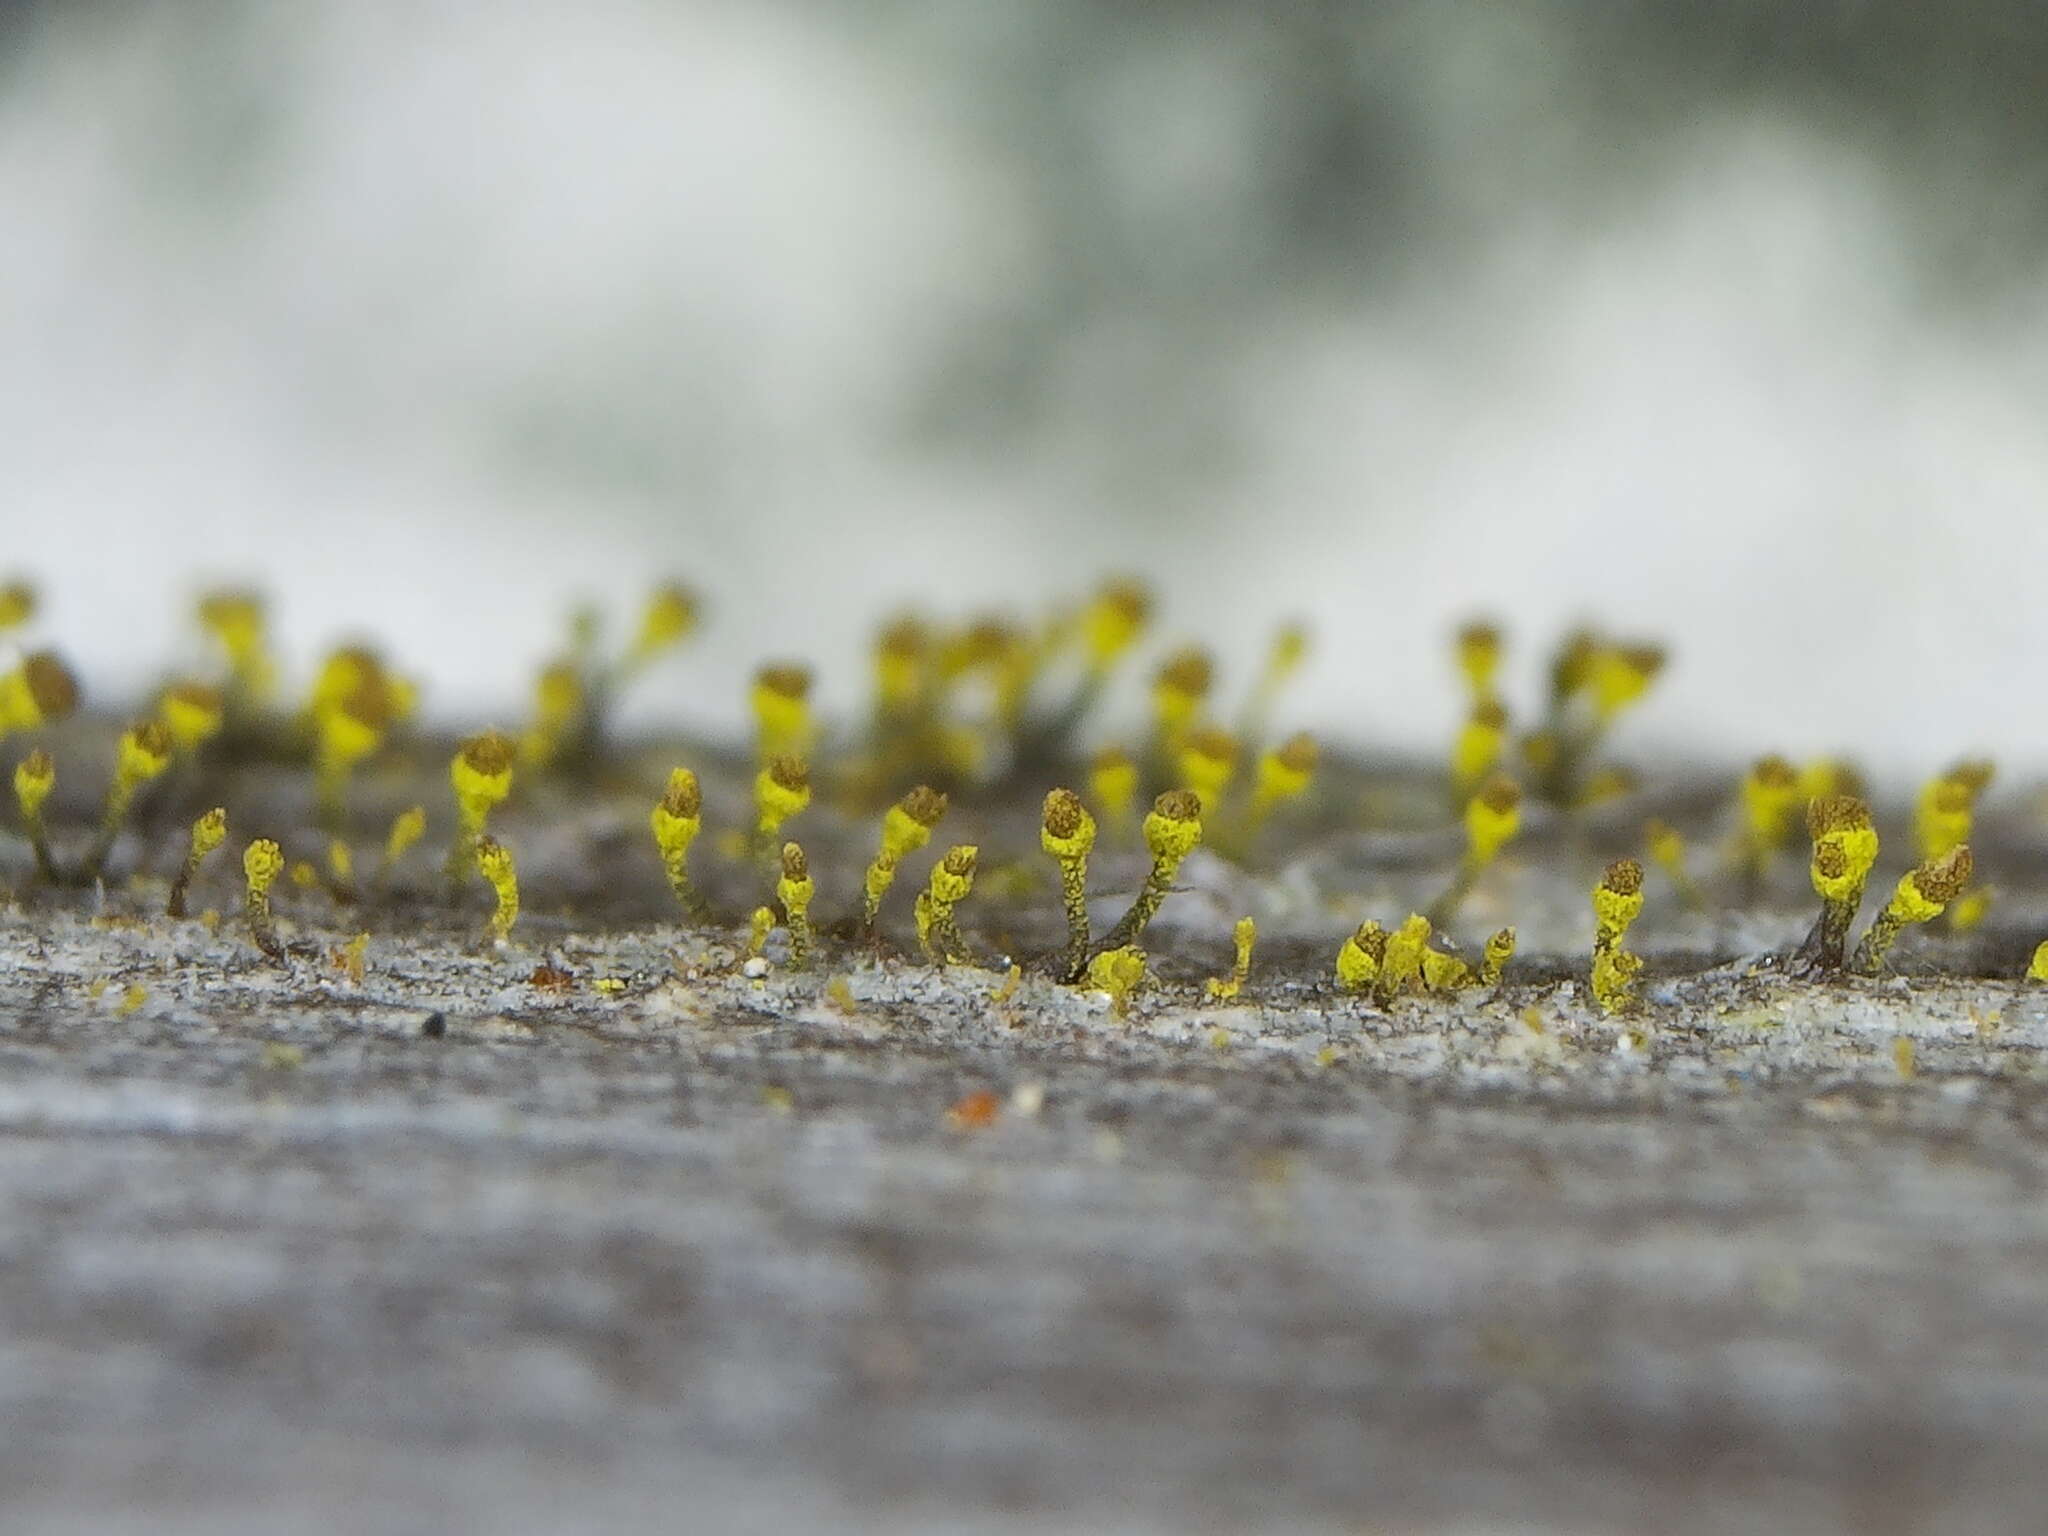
[(494, 862), (1118, 972), (1114, 619), (193, 713), (794, 890), (1208, 761), (782, 710), (1479, 651), (34, 777), (669, 618), (1617, 903), (1113, 781), (782, 789), (1921, 896), (39, 690), (1844, 849), (1360, 956), (1180, 691)]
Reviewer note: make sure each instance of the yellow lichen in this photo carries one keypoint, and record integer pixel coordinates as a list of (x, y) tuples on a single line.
[(794, 890), (1493, 818), (1770, 802), (1284, 774), (1500, 949), (1666, 846), (193, 713), (1180, 692), (481, 776), (1921, 896), (952, 880), (1067, 834), (1617, 903), (1113, 622), (1401, 961), (1481, 742), (37, 691), (262, 863), (759, 925), (1360, 956), (1118, 972), (494, 862), (1845, 847), (17, 604), (1479, 652), (676, 820), (782, 789), (669, 617), (1173, 827), (782, 712), (236, 619), (1243, 937), (407, 828), (1207, 763), (34, 777), (560, 704), (1113, 785), (906, 827), (208, 833), (1946, 808), (141, 756)]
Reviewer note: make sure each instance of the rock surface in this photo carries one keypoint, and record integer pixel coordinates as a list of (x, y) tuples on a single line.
[(454, 1247)]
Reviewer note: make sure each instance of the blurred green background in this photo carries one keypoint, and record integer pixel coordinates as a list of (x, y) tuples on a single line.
[(1720, 322)]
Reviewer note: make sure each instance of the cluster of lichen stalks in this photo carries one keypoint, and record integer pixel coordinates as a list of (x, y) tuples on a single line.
[(959, 710)]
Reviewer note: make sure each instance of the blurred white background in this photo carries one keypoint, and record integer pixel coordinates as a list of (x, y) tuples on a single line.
[(435, 317)]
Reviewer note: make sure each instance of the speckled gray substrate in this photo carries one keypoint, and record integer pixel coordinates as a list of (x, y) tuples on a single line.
[(709, 1253)]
